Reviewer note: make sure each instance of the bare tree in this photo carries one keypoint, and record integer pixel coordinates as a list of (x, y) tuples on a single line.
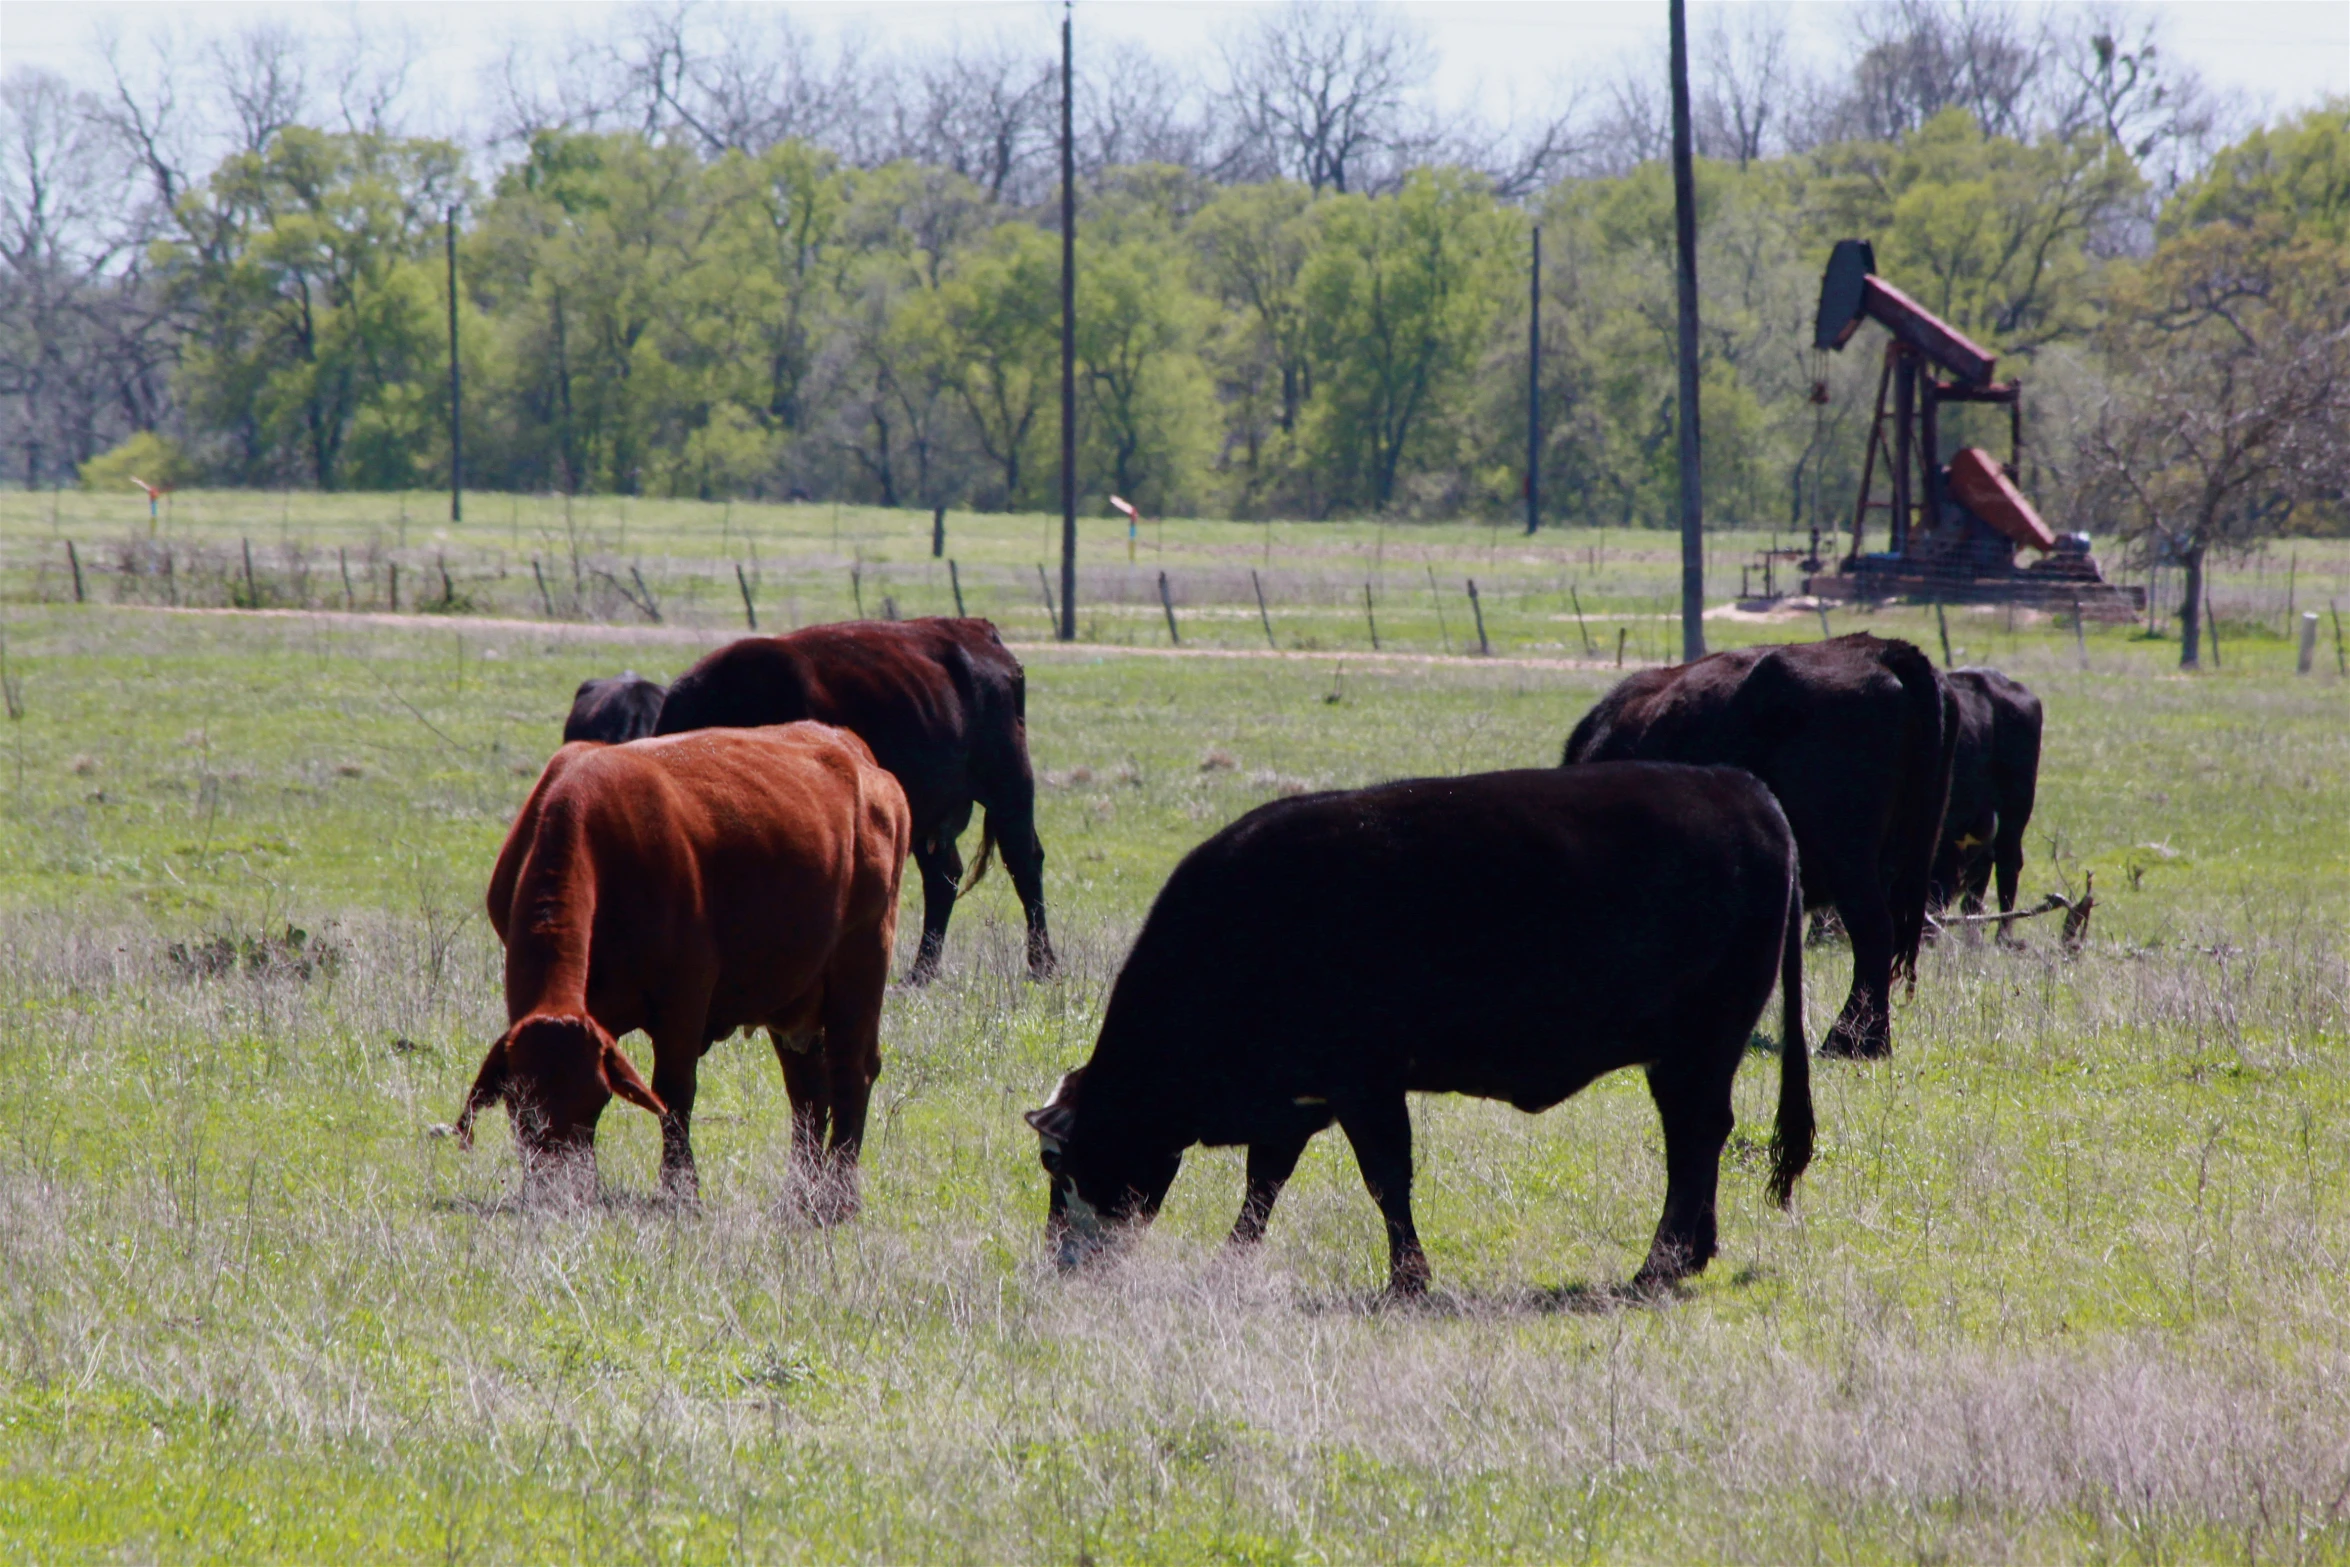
[(1133, 108), (1324, 95), (988, 113), (1743, 88), (2235, 411), (84, 341), (262, 75), (1634, 125), (2113, 79), (1920, 57)]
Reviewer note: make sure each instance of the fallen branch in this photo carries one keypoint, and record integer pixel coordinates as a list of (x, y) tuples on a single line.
[(2076, 914)]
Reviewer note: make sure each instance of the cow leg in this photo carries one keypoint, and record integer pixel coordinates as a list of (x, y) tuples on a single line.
[(1271, 1160), (1695, 1109), (674, 1070), (2007, 855), (1864, 1028), (1014, 824), (1380, 1128), (941, 869), (851, 1061), (809, 1086)]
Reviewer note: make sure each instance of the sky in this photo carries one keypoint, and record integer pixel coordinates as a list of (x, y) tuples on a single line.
[(2274, 56)]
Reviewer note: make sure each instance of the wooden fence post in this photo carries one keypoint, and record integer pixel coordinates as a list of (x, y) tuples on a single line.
[(546, 599), (1262, 614), (351, 600), (252, 593), (1167, 603), (955, 581), (73, 557), (1477, 608), (1589, 651), (1621, 633), (1371, 615), (750, 610), (1942, 624), (395, 587), (1046, 584), (938, 532)]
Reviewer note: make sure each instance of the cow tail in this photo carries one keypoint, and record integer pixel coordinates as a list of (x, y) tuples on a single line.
[(1791, 1138), (1929, 748), (986, 851)]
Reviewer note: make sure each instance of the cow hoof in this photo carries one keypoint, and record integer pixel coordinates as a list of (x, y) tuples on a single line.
[(1844, 1047)]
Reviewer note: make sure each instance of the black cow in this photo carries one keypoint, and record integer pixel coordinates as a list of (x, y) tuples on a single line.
[(1992, 786), (615, 710), (1855, 736), (943, 704), (1509, 935)]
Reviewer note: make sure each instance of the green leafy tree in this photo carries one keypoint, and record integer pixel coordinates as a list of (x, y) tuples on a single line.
[(1147, 399), (316, 315), (1401, 294), (996, 320)]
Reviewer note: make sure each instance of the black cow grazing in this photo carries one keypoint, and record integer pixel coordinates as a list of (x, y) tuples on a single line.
[(943, 704), (1510, 935), (1855, 736), (619, 709), (1992, 785)]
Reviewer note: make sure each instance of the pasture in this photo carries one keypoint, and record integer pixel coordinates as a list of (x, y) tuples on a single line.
[(2066, 1281)]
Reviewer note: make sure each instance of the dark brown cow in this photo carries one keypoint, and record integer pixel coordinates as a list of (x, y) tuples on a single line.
[(1509, 935), (1855, 736), (1992, 787), (612, 710), (944, 706), (691, 887)]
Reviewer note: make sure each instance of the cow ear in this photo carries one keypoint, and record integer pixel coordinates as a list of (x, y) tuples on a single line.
[(620, 1075), (1053, 1122), (489, 1086)]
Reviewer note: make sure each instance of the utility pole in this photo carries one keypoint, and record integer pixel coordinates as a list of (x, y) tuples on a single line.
[(1685, 275), (1068, 336), (1534, 389), (456, 390)]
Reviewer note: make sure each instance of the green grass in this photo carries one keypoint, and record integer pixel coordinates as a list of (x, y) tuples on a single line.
[(2066, 1283)]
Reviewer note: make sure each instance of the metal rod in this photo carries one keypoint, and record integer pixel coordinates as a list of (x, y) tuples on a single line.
[(1262, 614), (750, 610), (1685, 278), (1534, 389), (955, 581), (1068, 335), (456, 390), (1371, 615)]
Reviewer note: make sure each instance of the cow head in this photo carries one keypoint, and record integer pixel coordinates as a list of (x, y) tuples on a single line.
[(554, 1075), (1097, 1191)]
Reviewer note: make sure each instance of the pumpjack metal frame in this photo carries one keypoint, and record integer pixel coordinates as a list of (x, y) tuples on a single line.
[(1952, 526)]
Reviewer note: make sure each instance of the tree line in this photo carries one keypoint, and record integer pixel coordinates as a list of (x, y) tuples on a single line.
[(702, 258)]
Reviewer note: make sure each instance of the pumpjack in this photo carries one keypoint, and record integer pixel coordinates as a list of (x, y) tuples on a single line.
[(1955, 525)]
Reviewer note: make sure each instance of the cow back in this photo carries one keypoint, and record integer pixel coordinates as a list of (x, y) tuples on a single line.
[(935, 699), (727, 861)]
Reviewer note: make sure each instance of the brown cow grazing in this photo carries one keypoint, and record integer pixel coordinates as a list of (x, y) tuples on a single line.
[(1855, 736), (1508, 935), (944, 706), (691, 887), (1992, 787)]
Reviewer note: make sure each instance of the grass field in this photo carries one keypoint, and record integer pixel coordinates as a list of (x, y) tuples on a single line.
[(2067, 1282)]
